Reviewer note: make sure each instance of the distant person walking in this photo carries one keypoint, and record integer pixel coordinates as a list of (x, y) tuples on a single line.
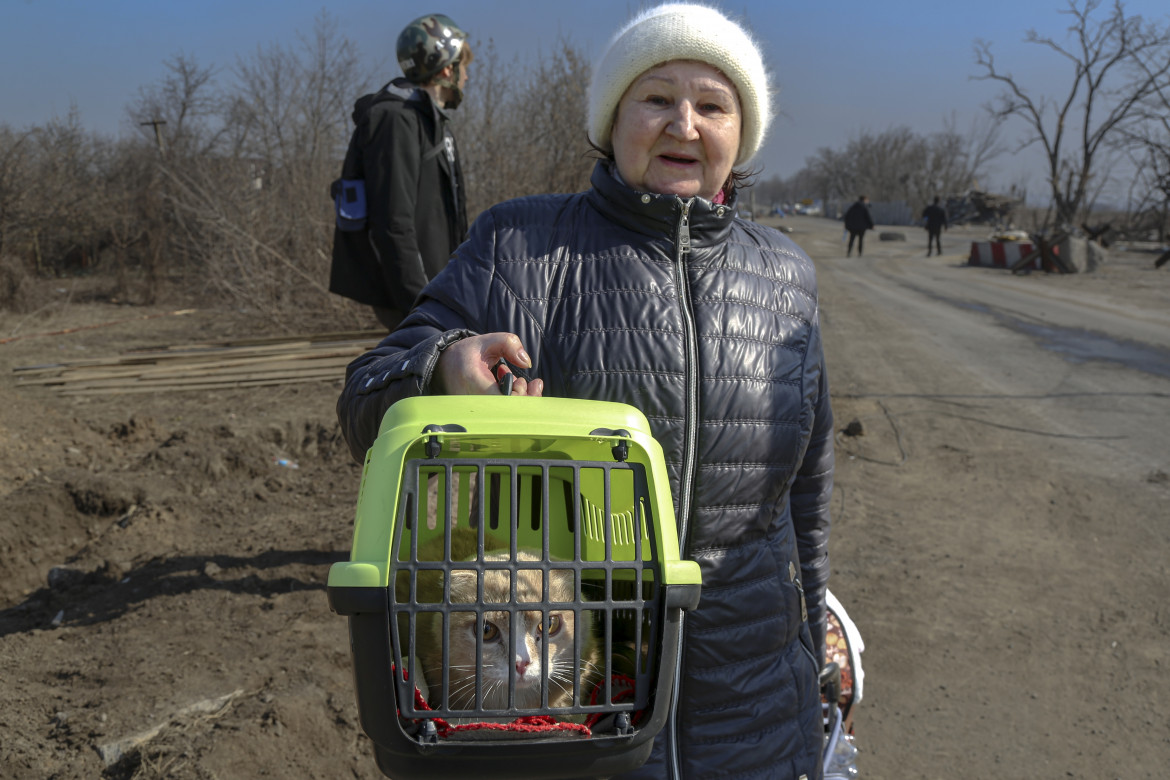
[(401, 209), (857, 221), (934, 218)]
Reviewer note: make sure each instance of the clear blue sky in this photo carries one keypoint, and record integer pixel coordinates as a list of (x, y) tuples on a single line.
[(840, 67)]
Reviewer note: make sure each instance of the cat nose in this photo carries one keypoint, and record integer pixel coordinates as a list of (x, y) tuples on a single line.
[(521, 667)]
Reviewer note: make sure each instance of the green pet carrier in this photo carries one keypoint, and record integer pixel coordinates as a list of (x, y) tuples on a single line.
[(514, 589)]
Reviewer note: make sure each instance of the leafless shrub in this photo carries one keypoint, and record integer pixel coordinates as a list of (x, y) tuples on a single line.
[(15, 285), (50, 190), (16, 190), (132, 220), (245, 242), (221, 195), (521, 129), (253, 220)]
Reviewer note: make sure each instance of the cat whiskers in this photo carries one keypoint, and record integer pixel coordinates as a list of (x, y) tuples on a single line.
[(462, 683), (463, 694), (561, 676)]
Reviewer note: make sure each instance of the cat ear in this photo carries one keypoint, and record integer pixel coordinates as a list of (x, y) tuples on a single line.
[(464, 588)]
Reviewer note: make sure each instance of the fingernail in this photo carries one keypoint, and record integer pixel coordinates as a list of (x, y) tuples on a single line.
[(527, 361)]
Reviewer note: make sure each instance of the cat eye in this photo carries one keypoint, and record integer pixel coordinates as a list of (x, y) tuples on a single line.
[(490, 632), (554, 625)]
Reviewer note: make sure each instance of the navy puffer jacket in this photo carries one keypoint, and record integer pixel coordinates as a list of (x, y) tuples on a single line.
[(709, 325)]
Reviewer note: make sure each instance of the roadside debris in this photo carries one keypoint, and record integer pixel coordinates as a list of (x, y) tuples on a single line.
[(113, 752), (981, 207)]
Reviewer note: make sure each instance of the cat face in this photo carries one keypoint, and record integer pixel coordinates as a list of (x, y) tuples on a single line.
[(512, 645)]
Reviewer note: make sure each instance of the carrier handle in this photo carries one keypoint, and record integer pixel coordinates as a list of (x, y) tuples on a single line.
[(830, 680), (434, 446), (621, 450)]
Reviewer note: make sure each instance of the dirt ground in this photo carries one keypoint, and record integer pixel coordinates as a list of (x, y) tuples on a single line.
[(162, 577)]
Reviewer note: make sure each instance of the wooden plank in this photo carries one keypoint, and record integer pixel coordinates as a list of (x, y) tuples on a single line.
[(143, 358), (131, 389), (174, 386), (199, 380), (183, 368), (197, 353), (184, 372), (335, 364), (262, 362), (214, 353), (186, 369), (373, 336), (43, 368), (334, 369)]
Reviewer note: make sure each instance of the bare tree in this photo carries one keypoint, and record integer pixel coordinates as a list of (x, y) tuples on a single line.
[(833, 174), (1146, 142), (982, 143), (1105, 90), (255, 218), (899, 164), (186, 106), (1149, 190), (290, 105)]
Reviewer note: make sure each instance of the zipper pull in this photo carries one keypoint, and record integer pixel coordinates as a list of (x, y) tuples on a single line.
[(684, 230), (800, 589)]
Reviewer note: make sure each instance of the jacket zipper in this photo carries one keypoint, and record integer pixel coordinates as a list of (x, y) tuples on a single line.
[(690, 445), (799, 589), (792, 576)]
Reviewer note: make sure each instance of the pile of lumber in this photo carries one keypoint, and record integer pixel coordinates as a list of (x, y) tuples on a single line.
[(208, 366)]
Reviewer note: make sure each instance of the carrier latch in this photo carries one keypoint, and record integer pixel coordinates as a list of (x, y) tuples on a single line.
[(428, 734), (621, 450), (434, 446)]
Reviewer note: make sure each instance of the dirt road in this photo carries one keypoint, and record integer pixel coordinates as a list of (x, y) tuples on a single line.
[(1002, 530), (1001, 535)]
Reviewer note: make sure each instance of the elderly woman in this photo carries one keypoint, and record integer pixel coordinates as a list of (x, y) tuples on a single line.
[(647, 290)]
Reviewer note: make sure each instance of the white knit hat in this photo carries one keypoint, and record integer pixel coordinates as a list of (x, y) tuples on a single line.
[(681, 31)]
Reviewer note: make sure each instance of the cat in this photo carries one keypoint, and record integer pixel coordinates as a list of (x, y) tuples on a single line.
[(505, 647)]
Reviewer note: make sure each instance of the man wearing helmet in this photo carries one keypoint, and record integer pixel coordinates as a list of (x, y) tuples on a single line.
[(404, 154)]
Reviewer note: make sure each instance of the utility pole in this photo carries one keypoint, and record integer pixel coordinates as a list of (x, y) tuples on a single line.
[(157, 123)]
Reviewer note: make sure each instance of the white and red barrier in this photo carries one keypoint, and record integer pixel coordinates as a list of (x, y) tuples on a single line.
[(1004, 254)]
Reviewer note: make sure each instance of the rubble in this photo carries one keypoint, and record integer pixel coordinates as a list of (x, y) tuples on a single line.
[(981, 207)]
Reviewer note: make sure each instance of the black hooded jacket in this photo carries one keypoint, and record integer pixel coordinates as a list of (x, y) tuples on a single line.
[(710, 326), (404, 150), (858, 219)]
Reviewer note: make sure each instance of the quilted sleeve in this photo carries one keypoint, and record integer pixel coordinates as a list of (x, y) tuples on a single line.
[(451, 307), (812, 492)]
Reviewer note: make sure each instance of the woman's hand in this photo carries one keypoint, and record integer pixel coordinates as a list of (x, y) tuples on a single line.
[(465, 367)]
